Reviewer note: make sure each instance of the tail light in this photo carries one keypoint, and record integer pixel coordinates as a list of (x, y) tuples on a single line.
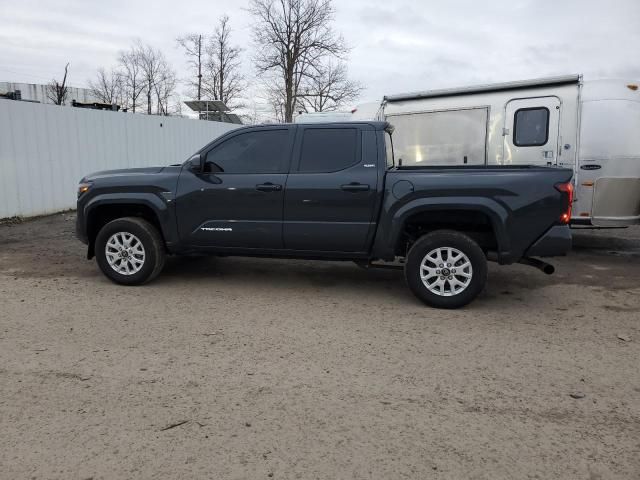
[(567, 188)]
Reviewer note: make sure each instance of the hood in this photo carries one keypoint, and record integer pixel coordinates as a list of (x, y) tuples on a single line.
[(122, 171)]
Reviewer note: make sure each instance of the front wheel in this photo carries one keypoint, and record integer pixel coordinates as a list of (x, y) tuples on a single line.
[(446, 269), (129, 251)]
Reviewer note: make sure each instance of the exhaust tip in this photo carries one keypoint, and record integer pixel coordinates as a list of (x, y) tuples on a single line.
[(539, 264)]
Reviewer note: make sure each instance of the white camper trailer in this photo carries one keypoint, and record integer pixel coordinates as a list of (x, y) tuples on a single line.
[(592, 127), (364, 111)]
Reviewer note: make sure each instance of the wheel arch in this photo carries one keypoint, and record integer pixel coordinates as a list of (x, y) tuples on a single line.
[(102, 210), (483, 219)]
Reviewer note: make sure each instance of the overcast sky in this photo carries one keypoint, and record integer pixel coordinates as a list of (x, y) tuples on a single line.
[(397, 45)]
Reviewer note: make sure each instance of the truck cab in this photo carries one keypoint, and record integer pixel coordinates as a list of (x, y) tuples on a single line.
[(283, 187)]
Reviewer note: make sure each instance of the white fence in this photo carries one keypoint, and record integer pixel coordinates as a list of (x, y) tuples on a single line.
[(46, 149)]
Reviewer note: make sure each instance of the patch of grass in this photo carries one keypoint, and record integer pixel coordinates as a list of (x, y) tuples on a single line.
[(11, 220)]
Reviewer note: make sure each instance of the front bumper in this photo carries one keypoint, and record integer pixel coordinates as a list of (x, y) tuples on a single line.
[(81, 231), (555, 242)]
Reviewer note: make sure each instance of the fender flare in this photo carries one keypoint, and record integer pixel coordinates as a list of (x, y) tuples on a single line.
[(498, 216), (150, 200)]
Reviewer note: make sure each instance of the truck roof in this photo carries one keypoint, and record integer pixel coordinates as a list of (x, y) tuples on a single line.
[(492, 87), (376, 124)]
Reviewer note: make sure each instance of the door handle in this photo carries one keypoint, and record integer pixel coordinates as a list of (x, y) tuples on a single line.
[(354, 187), (268, 187)]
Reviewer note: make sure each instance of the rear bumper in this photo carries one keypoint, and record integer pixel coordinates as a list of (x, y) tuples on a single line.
[(555, 242)]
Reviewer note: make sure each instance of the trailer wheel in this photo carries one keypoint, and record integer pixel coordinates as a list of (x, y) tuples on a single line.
[(446, 269), (130, 251)]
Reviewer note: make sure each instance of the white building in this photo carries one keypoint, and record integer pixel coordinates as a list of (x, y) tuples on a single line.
[(38, 92)]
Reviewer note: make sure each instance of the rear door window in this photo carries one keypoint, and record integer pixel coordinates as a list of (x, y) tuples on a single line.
[(326, 150)]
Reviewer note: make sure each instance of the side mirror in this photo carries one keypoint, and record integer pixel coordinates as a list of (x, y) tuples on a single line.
[(195, 163)]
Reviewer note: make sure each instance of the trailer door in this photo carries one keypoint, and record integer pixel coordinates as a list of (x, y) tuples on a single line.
[(531, 131)]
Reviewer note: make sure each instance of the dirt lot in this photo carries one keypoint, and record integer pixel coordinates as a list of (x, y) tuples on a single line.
[(244, 369)]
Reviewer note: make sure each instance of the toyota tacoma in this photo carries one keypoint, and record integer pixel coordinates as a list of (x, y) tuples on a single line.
[(327, 191)]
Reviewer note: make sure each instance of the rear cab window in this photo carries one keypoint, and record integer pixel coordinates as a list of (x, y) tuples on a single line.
[(388, 143)]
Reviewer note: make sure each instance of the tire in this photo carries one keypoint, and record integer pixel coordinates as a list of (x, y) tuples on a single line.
[(142, 262), (442, 287)]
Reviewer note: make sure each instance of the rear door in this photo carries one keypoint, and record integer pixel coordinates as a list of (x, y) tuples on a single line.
[(331, 190), (237, 201), (531, 131)]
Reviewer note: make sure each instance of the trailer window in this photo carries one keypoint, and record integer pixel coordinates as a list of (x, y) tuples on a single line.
[(531, 127), (440, 138)]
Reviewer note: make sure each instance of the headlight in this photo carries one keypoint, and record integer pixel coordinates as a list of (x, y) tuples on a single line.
[(83, 188)]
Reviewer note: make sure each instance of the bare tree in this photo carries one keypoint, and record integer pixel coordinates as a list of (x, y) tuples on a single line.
[(194, 48), (108, 87), (164, 89), (224, 80), (328, 90), (57, 92), (293, 37), (131, 71), (276, 99), (149, 61), (158, 78), (143, 78), (250, 117)]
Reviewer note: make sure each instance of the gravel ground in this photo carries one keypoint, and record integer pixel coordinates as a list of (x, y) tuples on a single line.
[(242, 368)]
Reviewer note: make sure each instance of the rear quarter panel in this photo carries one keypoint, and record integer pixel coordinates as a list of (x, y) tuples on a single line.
[(521, 203)]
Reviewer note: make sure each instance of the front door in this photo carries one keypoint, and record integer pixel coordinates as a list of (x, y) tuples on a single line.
[(237, 200), (531, 131), (331, 190)]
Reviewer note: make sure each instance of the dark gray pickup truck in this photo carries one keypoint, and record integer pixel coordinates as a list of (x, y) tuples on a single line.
[(327, 191)]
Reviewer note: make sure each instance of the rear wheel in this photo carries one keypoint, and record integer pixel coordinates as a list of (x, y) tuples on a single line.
[(446, 269), (129, 251)]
